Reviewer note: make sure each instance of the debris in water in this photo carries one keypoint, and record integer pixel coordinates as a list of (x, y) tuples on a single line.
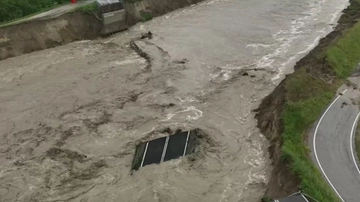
[(164, 149), (183, 61), (148, 35)]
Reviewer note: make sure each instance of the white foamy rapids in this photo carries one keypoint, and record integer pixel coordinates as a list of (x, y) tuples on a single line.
[(132, 59), (194, 114), (336, 15), (289, 36), (187, 99), (82, 41), (256, 46), (298, 29), (226, 74), (309, 47), (256, 159)]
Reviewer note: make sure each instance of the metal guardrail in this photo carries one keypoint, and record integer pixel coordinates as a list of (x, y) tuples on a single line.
[(297, 197)]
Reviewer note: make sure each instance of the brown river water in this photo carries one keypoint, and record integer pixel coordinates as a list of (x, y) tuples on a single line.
[(71, 116)]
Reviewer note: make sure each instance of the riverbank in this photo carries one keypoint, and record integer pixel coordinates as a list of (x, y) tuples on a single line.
[(39, 35), (286, 115), (73, 26)]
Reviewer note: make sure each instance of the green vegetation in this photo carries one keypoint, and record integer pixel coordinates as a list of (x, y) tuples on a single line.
[(146, 17), (298, 116), (266, 199), (88, 8), (14, 9), (345, 55), (132, 1), (307, 97)]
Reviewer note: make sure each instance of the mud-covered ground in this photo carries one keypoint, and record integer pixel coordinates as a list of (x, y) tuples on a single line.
[(72, 116)]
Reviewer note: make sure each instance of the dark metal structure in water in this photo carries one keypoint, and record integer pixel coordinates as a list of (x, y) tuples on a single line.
[(165, 149), (113, 16)]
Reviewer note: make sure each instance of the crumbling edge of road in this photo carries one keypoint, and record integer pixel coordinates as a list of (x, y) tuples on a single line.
[(289, 112)]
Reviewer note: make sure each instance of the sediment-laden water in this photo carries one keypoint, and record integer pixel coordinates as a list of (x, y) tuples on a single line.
[(71, 116)]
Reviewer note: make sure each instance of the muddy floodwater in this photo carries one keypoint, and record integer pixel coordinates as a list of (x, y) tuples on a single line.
[(72, 116)]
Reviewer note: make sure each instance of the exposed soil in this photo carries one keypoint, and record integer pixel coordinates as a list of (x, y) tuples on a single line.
[(37, 35), (283, 182), (45, 33)]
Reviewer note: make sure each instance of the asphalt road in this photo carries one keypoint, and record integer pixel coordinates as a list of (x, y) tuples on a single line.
[(297, 197), (332, 144)]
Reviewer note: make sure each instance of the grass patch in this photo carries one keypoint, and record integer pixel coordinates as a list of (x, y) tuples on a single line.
[(146, 17), (88, 8), (23, 19), (134, 1), (298, 117), (344, 56), (306, 98), (266, 199)]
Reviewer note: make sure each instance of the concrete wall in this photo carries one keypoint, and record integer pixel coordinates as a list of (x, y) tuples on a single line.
[(139, 10), (114, 21)]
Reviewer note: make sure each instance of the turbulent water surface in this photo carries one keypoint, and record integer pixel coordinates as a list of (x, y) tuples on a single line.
[(71, 116)]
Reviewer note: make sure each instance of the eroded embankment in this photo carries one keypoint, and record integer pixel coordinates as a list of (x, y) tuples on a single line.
[(285, 115), (37, 35)]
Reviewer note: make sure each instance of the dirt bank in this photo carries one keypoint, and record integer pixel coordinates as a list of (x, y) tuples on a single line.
[(317, 68), (37, 35)]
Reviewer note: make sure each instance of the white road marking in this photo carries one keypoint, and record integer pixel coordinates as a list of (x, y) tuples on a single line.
[(310, 197), (351, 142), (314, 145), (304, 198)]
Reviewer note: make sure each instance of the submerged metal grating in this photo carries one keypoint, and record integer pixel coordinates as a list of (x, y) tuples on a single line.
[(165, 149)]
